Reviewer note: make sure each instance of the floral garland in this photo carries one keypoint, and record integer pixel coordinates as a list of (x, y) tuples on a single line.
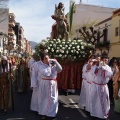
[(61, 49)]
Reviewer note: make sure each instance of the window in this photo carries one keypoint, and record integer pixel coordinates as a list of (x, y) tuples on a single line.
[(116, 31)]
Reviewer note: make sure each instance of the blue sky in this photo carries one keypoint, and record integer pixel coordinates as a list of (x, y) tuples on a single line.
[(35, 15)]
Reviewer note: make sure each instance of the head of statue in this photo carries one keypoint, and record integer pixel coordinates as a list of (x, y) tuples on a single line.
[(60, 5)]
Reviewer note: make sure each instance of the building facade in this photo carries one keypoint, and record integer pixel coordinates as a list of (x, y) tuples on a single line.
[(89, 14), (102, 47), (4, 19), (115, 34)]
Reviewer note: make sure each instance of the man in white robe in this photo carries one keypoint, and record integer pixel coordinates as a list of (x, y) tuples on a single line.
[(100, 103), (89, 77), (30, 64), (82, 99), (45, 75), (34, 98)]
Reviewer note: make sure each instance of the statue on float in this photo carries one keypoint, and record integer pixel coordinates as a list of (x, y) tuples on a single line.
[(60, 28)]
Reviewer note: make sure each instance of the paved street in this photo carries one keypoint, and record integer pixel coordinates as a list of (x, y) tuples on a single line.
[(68, 109)]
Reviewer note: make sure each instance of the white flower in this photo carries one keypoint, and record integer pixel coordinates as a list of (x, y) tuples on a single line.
[(58, 48), (78, 47), (70, 45), (69, 40), (73, 47), (51, 41), (60, 55), (58, 40), (77, 52), (46, 50), (89, 44), (69, 48), (66, 52), (60, 45), (63, 42), (57, 51), (63, 48), (74, 40), (82, 47), (74, 57), (62, 51), (52, 50), (66, 45), (54, 45), (71, 51), (50, 45), (79, 40)]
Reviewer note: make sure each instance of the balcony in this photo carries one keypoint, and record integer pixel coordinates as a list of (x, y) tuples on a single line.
[(11, 23), (11, 39), (11, 16), (20, 37), (11, 31), (21, 31)]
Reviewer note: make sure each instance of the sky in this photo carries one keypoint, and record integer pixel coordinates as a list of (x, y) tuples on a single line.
[(35, 15)]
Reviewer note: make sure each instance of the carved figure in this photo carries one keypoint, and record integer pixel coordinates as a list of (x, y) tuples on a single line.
[(60, 28)]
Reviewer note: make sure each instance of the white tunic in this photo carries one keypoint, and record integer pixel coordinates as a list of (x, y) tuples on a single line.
[(34, 98), (100, 104), (82, 99), (89, 78), (30, 64), (44, 80)]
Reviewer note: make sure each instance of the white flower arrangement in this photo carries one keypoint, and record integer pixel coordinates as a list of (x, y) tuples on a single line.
[(71, 49)]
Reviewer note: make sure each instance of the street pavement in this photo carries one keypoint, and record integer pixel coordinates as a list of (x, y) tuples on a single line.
[(68, 109)]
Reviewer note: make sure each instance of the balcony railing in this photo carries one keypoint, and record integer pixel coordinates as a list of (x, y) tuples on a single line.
[(11, 39), (11, 31), (12, 22)]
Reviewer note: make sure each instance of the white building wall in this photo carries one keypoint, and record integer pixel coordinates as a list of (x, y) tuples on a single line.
[(85, 13), (4, 20)]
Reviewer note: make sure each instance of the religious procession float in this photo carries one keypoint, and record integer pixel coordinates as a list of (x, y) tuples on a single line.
[(69, 52)]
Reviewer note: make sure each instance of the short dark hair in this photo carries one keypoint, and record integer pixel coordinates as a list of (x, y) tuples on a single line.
[(105, 57), (42, 55)]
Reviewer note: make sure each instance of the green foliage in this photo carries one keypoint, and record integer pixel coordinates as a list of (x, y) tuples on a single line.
[(71, 15)]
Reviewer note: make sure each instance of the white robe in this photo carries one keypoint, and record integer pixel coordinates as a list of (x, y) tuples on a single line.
[(30, 64), (34, 98), (47, 89), (89, 78), (100, 104), (82, 99)]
